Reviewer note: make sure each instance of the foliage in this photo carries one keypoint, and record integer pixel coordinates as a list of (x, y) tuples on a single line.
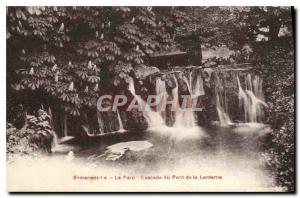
[(219, 26), (68, 52), (267, 21), (16, 140), (278, 69), (36, 135)]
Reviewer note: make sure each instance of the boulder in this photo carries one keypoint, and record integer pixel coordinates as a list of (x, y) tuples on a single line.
[(142, 71), (135, 120)]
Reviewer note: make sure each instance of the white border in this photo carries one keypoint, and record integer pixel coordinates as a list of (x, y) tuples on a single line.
[(155, 2)]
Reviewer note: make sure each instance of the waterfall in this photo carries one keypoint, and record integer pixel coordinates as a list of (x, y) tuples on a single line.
[(55, 138), (257, 88), (161, 92), (188, 82), (243, 99), (54, 141), (65, 126), (198, 88), (183, 117), (222, 114), (153, 118), (100, 122), (195, 87), (221, 102), (121, 127), (252, 99)]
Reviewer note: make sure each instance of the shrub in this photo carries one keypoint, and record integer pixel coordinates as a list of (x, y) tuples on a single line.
[(36, 135)]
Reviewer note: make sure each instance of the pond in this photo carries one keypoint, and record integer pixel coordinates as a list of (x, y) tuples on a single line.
[(180, 159)]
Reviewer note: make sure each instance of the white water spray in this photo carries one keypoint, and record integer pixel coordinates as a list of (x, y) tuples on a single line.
[(195, 86), (221, 102), (161, 92), (252, 99), (153, 118), (121, 127), (184, 117)]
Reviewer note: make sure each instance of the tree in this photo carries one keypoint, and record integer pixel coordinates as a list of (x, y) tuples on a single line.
[(69, 53)]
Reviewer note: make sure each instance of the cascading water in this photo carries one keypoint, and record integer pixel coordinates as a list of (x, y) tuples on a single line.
[(153, 118), (195, 86), (243, 99), (222, 114), (100, 122), (252, 99), (221, 102), (185, 126), (55, 138), (257, 87), (65, 127), (121, 127), (161, 92), (199, 90), (184, 117), (54, 141)]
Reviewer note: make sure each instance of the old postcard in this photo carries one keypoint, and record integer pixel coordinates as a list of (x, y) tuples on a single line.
[(150, 99)]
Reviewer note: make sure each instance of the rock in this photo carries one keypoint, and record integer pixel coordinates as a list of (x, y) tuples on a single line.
[(65, 139), (109, 121), (131, 145), (142, 71), (207, 74), (63, 148), (209, 64), (119, 150), (170, 82), (135, 120)]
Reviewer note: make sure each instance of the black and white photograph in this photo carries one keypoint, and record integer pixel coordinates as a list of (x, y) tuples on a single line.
[(150, 99)]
